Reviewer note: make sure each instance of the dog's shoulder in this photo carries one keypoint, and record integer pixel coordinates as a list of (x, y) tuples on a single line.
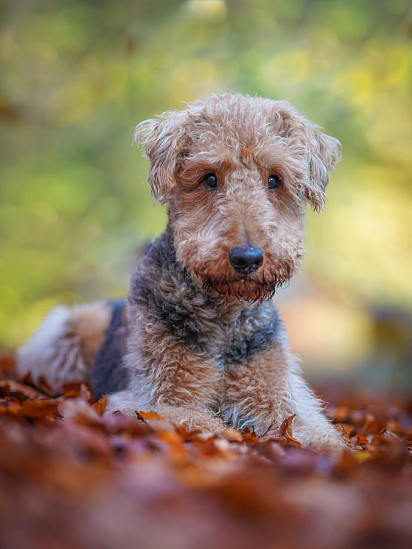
[(163, 292)]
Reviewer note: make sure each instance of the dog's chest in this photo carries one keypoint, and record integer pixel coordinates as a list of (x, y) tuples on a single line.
[(230, 335), (204, 324), (246, 336)]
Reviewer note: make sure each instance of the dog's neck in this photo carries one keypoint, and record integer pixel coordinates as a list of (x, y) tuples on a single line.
[(163, 252), (194, 315)]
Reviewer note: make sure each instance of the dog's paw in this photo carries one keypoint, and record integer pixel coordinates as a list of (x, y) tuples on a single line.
[(192, 420), (124, 403), (322, 440), (236, 418), (321, 437)]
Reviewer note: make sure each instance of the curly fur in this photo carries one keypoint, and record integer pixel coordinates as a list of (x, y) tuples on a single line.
[(205, 345), (242, 139)]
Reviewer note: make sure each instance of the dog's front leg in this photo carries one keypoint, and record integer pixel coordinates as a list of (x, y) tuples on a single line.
[(310, 426), (262, 392), (184, 389), (255, 391), (170, 379)]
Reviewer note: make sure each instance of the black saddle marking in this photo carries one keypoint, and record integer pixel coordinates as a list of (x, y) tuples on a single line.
[(109, 374)]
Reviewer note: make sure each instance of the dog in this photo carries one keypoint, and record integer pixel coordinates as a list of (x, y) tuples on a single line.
[(199, 340)]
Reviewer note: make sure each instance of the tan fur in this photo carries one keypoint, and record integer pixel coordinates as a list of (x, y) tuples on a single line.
[(254, 389), (89, 323), (242, 140), (66, 343), (205, 345)]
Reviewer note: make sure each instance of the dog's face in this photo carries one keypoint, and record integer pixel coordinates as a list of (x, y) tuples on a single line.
[(236, 173)]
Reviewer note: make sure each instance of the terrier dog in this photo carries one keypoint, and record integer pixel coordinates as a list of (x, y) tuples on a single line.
[(200, 340)]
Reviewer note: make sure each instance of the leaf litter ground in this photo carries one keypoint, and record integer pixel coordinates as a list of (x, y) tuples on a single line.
[(71, 477)]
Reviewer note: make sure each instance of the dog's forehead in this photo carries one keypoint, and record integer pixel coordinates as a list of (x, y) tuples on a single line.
[(242, 142), (236, 125), (237, 153)]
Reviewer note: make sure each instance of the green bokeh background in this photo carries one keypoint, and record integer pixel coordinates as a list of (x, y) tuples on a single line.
[(76, 76)]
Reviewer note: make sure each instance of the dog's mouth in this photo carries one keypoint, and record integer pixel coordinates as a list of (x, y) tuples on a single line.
[(251, 287), (244, 288)]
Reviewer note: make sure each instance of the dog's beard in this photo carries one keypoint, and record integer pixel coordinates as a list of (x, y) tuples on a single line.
[(243, 290), (250, 289), (255, 287)]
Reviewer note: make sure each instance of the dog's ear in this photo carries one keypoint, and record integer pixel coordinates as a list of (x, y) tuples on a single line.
[(323, 154), (163, 140)]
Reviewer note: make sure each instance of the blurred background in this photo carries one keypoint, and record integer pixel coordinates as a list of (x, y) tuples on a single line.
[(74, 205)]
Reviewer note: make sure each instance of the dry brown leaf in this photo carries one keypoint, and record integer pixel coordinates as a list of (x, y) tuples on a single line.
[(72, 476)]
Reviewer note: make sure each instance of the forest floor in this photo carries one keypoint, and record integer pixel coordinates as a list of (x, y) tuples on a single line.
[(73, 478)]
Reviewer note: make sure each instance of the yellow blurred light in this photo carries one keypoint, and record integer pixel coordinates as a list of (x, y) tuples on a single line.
[(207, 9)]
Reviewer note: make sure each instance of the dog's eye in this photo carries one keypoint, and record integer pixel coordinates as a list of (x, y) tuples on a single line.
[(210, 181), (274, 181)]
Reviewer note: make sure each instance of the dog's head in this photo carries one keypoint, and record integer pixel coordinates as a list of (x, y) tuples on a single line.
[(236, 173)]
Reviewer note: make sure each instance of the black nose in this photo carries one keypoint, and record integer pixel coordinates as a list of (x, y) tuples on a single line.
[(246, 259)]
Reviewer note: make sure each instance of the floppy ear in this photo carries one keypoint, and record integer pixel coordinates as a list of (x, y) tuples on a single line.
[(324, 153), (163, 141), (321, 151)]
